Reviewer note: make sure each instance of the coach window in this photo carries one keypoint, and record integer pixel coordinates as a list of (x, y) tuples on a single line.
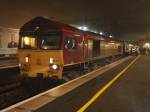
[(70, 42)]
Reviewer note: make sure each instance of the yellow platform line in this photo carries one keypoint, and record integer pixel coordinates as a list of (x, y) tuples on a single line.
[(99, 93)]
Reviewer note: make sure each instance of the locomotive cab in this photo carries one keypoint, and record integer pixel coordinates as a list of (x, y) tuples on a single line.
[(40, 52), (40, 55)]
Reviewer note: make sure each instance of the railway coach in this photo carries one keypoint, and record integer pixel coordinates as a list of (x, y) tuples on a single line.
[(48, 48)]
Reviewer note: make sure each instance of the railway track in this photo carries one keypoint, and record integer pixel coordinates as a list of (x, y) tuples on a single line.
[(10, 94), (9, 87), (15, 92)]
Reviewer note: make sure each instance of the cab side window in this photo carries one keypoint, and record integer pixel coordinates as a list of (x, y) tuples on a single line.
[(70, 42)]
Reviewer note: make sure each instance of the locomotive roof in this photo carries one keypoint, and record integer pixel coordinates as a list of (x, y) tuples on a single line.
[(46, 25), (95, 35)]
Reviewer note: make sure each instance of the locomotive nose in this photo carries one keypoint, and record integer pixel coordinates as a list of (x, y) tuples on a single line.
[(33, 62)]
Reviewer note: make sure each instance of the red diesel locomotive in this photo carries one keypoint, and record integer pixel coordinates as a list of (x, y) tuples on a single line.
[(50, 48)]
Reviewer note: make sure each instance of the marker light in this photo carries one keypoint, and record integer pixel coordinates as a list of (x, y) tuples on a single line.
[(19, 65), (27, 59), (50, 60), (55, 66)]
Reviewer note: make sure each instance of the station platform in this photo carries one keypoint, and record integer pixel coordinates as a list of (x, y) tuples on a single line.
[(129, 93), (122, 86)]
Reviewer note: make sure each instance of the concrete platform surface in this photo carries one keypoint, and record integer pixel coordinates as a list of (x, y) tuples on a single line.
[(130, 93)]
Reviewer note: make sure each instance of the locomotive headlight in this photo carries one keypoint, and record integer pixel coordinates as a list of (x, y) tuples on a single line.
[(27, 59), (55, 67), (19, 65)]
